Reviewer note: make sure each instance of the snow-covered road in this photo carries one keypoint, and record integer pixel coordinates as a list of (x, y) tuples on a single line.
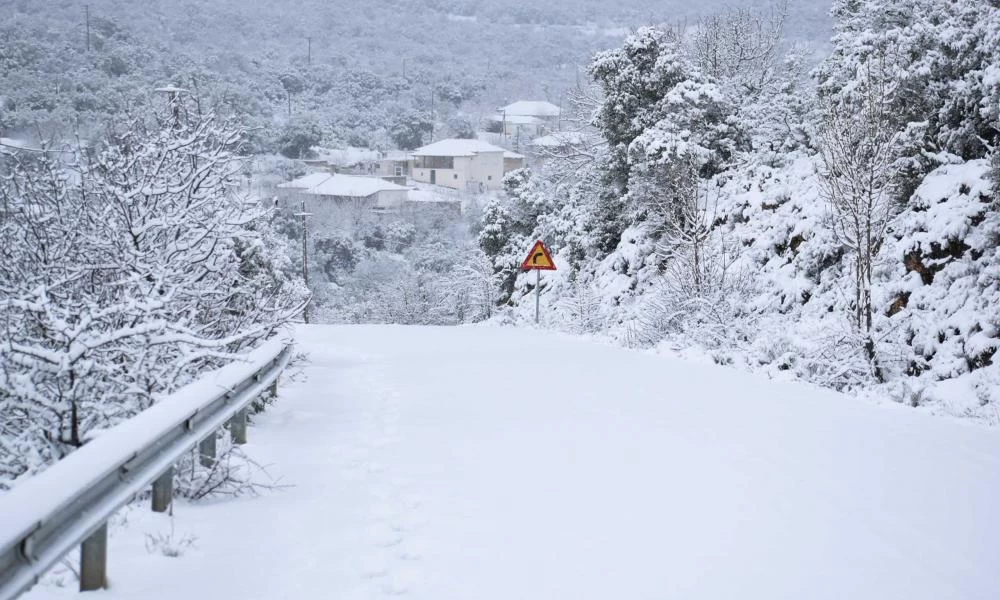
[(484, 463)]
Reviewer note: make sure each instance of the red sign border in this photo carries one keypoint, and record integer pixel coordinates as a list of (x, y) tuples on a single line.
[(539, 245)]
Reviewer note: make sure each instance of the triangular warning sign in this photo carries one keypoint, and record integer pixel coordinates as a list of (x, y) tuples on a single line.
[(539, 259)]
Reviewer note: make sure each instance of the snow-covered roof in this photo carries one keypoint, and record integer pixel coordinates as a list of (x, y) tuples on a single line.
[(515, 155), (517, 119), (170, 89), (306, 182), (456, 147), (532, 108), (353, 186), (397, 155)]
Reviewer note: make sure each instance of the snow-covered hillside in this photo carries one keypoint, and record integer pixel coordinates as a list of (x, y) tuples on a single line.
[(781, 305), (840, 226), (478, 462)]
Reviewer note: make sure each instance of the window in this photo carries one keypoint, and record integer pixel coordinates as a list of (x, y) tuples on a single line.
[(489, 178), (456, 175), (399, 171), (435, 162)]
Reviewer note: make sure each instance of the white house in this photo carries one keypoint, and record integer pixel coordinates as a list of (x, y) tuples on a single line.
[(527, 119), (514, 125), (460, 164), (368, 192), (345, 191), (512, 161), (539, 109), (395, 164), (292, 189)]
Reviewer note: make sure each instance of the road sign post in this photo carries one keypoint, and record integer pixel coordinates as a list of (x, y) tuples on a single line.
[(538, 260), (538, 293)]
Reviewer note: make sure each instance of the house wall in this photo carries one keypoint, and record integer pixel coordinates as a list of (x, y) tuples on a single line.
[(488, 169), (387, 168), (524, 130), (485, 168), (512, 164), (288, 195), (452, 178), (390, 199)]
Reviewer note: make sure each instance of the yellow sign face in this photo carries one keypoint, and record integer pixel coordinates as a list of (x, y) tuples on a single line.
[(539, 259)]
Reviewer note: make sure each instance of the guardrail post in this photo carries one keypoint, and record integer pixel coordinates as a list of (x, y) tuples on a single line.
[(163, 491), (206, 451), (238, 427), (274, 388), (94, 560)]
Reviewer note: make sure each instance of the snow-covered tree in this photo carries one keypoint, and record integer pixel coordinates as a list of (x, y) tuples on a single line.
[(134, 267), (942, 55), (739, 46), (634, 80), (506, 229), (858, 146)]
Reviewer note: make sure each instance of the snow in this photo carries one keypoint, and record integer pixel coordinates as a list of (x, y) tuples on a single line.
[(558, 139), (479, 462), (16, 144), (326, 184), (517, 119), (346, 157), (353, 186), (514, 155), (431, 196), (456, 147), (397, 155), (171, 89), (43, 494), (531, 108), (306, 181)]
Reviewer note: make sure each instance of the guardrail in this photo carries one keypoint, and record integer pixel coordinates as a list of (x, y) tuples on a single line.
[(68, 504)]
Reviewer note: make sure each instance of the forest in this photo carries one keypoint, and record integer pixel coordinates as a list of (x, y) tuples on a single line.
[(376, 74)]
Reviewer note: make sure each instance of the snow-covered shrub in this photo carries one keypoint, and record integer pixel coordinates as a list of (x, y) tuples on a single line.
[(231, 474), (127, 269)]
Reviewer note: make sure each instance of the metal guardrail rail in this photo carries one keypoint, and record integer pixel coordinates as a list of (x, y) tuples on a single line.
[(69, 503)]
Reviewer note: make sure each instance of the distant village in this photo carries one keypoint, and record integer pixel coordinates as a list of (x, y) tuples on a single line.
[(437, 177)]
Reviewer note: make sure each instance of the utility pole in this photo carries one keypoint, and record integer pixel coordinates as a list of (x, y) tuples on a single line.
[(305, 258), (433, 122), (562, 98), (86, 10), (309, 56)]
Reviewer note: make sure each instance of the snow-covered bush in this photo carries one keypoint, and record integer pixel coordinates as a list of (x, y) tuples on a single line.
[(129, 268)]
